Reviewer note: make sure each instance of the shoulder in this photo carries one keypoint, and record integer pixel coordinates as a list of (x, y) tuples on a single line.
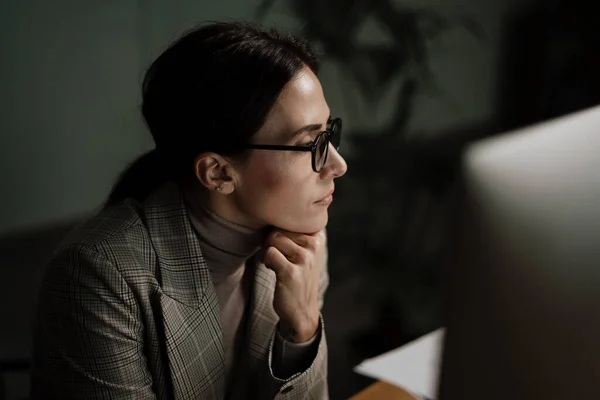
[(109, 225), (117, 235)]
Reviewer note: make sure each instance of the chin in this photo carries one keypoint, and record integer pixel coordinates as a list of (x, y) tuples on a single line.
[(311, 226)]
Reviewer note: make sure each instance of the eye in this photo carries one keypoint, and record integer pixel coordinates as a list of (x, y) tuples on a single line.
[(309, 140), (307, 144)]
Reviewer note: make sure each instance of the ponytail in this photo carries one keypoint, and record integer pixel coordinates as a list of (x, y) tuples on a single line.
[(138, 180)]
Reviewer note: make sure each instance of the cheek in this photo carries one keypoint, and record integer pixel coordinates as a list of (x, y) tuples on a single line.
[(277, 179), (279, 191)]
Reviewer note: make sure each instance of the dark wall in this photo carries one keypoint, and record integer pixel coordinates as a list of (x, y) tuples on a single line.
[(550, 62)]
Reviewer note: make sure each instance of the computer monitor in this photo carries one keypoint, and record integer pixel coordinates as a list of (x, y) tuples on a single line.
[(523, 301)]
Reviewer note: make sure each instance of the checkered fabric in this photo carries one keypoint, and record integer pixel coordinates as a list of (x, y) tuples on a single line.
[(127, 310)]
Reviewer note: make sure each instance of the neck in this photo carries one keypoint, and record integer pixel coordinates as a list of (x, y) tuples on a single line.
[(225, 244), (222, 205)]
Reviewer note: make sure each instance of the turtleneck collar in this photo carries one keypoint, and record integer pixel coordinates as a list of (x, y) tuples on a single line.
[(225, 245)]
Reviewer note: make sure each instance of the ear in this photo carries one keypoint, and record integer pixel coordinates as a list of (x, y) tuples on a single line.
[(215, 173)]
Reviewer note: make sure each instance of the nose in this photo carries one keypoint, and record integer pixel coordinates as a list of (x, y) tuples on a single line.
[(335, 165)]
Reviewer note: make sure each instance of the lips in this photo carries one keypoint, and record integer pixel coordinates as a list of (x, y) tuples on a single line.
[(326, 198)]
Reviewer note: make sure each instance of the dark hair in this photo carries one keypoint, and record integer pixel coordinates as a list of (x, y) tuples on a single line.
[(209, 91)]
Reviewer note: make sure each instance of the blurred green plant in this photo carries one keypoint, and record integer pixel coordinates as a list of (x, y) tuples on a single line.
[(335, 27), (388, 219)]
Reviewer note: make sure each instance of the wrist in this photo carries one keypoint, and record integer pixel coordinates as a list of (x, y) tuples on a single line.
[(300, 331)]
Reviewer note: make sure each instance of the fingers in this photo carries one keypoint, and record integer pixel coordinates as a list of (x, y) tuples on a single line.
[(290, 249), (275, 261), (310, 242)]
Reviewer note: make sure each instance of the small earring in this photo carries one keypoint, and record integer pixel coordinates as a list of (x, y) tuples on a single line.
[(220, 188)]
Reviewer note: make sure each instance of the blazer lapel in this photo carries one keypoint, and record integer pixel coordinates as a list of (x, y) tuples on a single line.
[(262, 316), (259, 326), (187, 300)]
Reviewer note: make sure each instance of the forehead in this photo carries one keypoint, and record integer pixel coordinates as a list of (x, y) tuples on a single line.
[(300, 103)]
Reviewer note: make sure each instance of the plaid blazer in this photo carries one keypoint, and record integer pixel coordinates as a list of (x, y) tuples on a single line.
[(127, 310)]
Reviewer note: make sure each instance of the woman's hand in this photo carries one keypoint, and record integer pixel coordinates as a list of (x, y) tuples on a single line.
[(297, 260)]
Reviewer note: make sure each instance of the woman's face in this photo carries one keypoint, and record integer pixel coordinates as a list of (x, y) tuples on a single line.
[(280, 188)]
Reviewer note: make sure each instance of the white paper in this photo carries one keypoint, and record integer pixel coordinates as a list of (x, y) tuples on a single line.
[(414, 366)]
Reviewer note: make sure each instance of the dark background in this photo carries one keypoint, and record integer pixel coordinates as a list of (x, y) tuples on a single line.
[(413, 80)]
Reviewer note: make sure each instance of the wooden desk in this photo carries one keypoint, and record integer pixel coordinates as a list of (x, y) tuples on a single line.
[(383, 391)]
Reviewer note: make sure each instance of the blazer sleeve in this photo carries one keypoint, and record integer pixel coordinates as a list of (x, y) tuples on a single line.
[(308, 384), (88, 332)]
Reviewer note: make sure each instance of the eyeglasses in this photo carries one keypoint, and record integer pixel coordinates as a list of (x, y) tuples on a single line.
[(319, 148)]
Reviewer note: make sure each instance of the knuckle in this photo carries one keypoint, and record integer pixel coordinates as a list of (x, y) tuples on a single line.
[(311, 243), (269, 253), (303, 257), (291, 274)]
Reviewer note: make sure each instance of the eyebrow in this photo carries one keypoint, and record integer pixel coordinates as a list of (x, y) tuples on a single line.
[(310, 128)]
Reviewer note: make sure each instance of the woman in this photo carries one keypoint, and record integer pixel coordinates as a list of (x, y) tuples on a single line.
[(204, 275)]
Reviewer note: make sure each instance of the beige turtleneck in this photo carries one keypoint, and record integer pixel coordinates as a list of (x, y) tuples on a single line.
[(227, 247)]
